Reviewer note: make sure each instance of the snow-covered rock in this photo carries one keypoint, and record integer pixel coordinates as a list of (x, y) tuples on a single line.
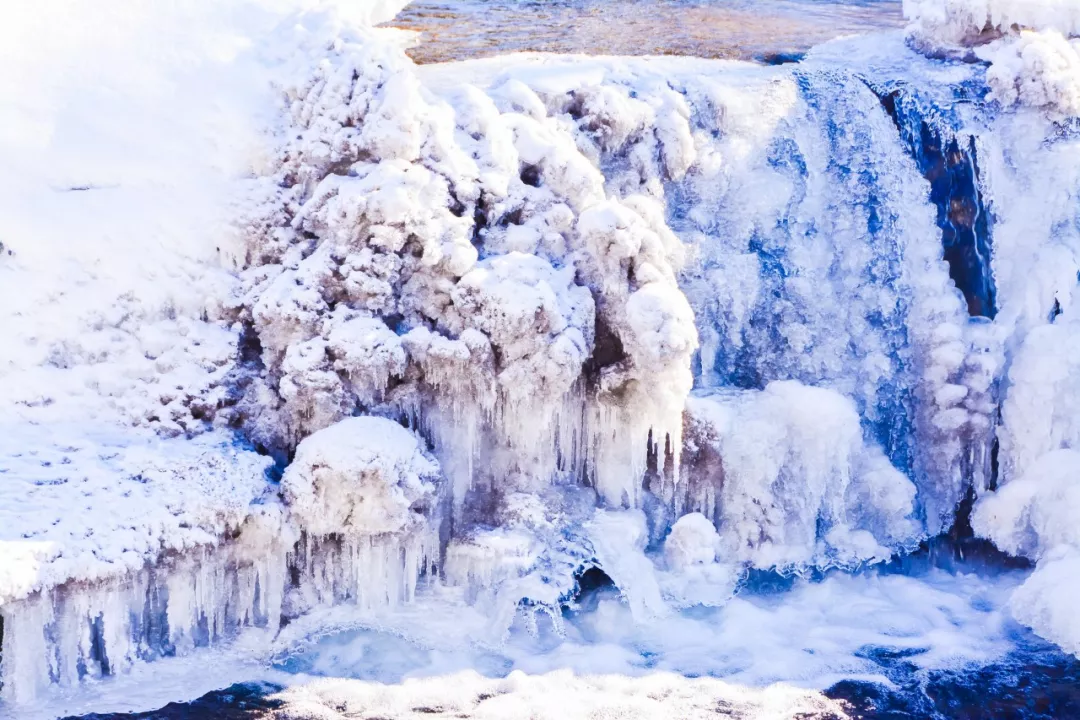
[(361, 476), (1037, 69)]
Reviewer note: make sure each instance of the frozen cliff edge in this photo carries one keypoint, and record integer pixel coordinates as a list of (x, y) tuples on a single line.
[(1032, 46)]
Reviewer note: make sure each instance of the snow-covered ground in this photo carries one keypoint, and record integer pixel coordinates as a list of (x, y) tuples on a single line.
[(294, 328)]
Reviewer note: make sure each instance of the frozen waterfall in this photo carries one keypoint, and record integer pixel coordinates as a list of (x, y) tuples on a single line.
[(482, 328)]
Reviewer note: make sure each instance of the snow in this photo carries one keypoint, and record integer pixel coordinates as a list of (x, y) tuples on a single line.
[(500, 335), (1032, 515), (124, 129)]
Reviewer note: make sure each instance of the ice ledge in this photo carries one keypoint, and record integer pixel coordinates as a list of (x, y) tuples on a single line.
[(82, 503)]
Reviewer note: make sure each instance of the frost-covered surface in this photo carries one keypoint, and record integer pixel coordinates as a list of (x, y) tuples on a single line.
[(365, 493), (66, 636), (1047, 601), (1034, 516), (368, 291)]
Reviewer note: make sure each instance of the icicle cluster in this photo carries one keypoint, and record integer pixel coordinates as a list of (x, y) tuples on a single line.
[(366, 496), (77, 632)]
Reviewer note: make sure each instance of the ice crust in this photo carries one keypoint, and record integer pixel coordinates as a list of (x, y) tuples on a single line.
[(560, 694), (497, 323)]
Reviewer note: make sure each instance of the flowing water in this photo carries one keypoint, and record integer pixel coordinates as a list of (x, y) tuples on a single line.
[(763, 30)]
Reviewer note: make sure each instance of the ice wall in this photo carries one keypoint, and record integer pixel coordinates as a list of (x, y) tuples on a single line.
[(462, 271), (80, 632)]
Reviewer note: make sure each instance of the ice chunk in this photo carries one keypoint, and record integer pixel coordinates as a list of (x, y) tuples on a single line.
[(618, 539), (691, 541), (1046, 602)]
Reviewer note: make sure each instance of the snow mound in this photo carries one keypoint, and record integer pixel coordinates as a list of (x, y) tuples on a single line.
[(360, 476)]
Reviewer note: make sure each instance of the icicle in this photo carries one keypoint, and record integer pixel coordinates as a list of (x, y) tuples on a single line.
[(85, 631)]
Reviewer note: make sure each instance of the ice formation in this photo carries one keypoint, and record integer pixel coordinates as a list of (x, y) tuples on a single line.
[(365, 494), (969, 22), (1039, 70), (1031, 45), (792, 482), (495, 325)]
